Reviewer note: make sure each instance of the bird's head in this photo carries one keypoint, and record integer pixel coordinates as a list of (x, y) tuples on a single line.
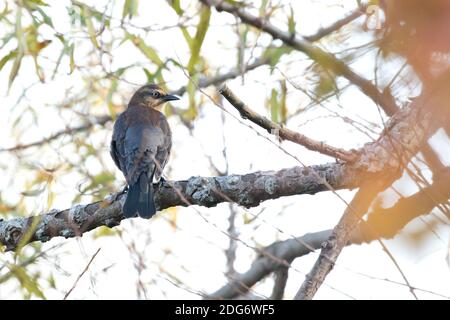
[(152, 95)]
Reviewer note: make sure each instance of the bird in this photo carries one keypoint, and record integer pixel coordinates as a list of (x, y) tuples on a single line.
[(140, 147)]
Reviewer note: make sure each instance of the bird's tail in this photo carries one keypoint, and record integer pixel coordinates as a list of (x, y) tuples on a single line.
[(140, 199)]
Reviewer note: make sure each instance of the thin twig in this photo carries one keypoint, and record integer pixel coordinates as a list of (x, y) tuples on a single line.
[(320, 56), (282, 132), (322, 32), (81, 274), (203, 82), (386, 223), (68, 131)]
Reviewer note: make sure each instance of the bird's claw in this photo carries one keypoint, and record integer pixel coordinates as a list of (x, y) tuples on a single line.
[(161, 182), (118, 194)]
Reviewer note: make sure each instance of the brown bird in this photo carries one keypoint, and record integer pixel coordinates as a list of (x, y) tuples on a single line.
[(140, 147)]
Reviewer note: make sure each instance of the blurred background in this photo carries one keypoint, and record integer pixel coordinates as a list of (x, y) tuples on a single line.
[(68, 68)]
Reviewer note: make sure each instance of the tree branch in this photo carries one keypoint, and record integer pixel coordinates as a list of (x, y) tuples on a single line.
[(203, 83), (325, 59), (404, 132), (386, 222), (339, 238), (338, 24), (247, 190), (281, 278), (265, 264), (70, 131), (282, 132), (405, 137), (408, 208)]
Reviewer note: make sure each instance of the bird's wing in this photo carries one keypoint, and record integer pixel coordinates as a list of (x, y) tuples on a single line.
[(117, 142), (142, 141), (163, 152)]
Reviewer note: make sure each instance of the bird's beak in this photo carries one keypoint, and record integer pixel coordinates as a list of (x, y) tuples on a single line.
[(169, 97)]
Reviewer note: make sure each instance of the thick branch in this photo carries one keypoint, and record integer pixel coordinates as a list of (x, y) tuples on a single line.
[(386, 222), (281, 278), (265, 264), (339, 238), (325, 59), (247, 190), (403, 138), (404, 135), (282, 132), (408, 208)]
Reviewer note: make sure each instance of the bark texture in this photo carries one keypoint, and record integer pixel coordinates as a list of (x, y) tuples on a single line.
[(248, 190)]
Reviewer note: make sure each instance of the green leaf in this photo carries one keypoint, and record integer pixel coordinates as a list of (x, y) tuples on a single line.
[(26, 281), (33, 193), (291, 22), (175, 4), (175, 63), (202, 28), (51, 281), (151, 77), (274, 106), (262, 8), (191, 113), (50, 198), (326, 84), (71, 55), (64, 51), (87, 15), (5, 12), (47, 20), (148, 51), (242, 45), (15, 69), (283, 106), (20, 49), (36, 2), (274, 54), (148, 74), (111, 91), (33, 46), (104, 178), (12, 54), (187, 36), (104, 232), (130, 8)]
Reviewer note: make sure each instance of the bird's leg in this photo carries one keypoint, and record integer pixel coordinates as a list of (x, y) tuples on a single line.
[(117, 195), (161, 182), (125, 190)]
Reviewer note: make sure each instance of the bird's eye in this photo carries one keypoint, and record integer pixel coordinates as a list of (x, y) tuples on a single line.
[(156, 94)]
